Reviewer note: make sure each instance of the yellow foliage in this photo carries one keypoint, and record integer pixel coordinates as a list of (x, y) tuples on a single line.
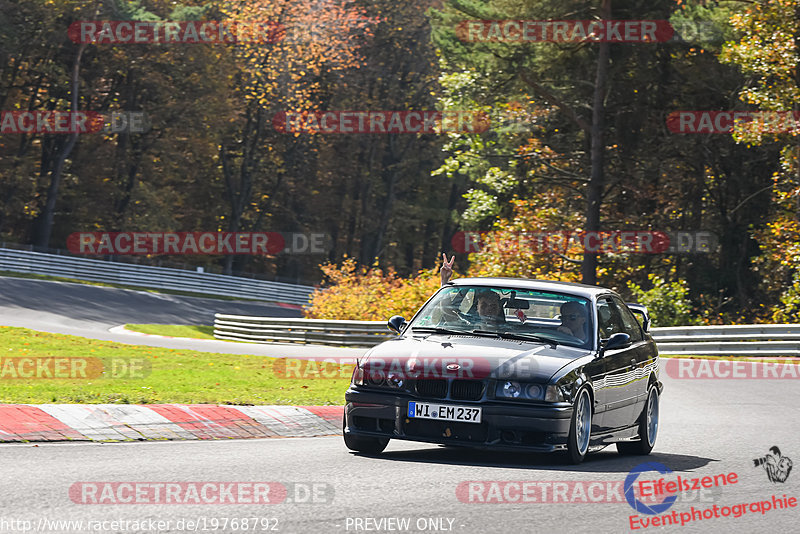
[(368, 294)]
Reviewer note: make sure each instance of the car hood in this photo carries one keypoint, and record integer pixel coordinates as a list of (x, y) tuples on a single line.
[(434, 356)]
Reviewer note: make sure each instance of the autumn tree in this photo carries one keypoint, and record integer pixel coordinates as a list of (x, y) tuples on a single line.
[(314, 39), (532, 66), (768, 52), (390, 207)]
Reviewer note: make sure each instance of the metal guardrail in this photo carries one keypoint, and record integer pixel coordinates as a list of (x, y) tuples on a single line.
[(741, 340), (146, 276), (316, 331), (733, 340)]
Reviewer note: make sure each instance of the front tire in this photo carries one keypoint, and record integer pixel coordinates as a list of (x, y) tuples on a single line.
[(648, 428), (364, 444), (580, 428)]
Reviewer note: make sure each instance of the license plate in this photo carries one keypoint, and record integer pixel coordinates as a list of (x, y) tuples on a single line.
[(426, 410)]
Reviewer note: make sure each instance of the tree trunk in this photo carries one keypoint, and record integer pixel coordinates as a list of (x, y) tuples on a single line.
[(393, 167), (45, 222), (594, 192), (234, 198), (240, 191), (386, 214)]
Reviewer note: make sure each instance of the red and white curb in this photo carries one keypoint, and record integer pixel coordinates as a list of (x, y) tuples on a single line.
[(136, 422)]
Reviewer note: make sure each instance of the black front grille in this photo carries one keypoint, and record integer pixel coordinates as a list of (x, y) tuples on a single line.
[(432, 388), (466, 390)]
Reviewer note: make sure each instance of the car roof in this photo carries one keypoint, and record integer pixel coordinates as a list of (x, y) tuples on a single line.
[(533, 284)]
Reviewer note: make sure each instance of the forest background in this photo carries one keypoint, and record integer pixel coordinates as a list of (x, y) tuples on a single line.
[(578, 141)]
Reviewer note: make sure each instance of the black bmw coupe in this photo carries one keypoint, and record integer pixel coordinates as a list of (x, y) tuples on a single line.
[(512, 364)]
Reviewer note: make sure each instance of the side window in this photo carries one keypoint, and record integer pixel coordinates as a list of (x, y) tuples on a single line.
[(630, 325), (608, 322), (614, 317)]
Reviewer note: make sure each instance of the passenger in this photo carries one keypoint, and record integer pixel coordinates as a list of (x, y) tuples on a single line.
[(573, 320)]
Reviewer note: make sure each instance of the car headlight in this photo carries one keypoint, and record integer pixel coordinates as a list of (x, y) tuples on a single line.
[(395, 380), (554, 394), (510, 389), (376, 378), (534, 391), (516, 390), (359, 377)]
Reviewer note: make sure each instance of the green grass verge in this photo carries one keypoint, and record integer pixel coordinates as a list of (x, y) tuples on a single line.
[(122, 286), (162, 375), (174, 330)]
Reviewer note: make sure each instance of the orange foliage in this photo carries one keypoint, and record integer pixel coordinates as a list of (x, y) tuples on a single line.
[(363, 294), (320, 37)]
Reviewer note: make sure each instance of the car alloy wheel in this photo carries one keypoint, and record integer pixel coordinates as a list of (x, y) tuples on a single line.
[(580, 427), (651, 420), (648, 427)]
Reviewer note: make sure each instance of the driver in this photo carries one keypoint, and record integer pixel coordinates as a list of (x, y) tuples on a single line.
[(489, 308)]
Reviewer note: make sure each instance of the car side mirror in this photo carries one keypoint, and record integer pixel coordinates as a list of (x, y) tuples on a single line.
[(620, 340), (397, 323)]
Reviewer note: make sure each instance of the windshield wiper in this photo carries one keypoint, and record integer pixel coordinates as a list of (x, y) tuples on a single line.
[(438, 330), (519, 336)]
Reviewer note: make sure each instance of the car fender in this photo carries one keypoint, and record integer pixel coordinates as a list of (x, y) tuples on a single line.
[(573, 381)]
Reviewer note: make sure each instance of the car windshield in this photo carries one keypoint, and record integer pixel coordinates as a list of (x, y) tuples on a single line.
[(508, 312)]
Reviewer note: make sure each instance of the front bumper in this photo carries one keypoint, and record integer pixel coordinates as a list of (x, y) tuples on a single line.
[(534, 427)]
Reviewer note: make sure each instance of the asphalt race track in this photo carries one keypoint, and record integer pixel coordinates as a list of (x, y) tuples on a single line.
[(90, 311), (708, 428)]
